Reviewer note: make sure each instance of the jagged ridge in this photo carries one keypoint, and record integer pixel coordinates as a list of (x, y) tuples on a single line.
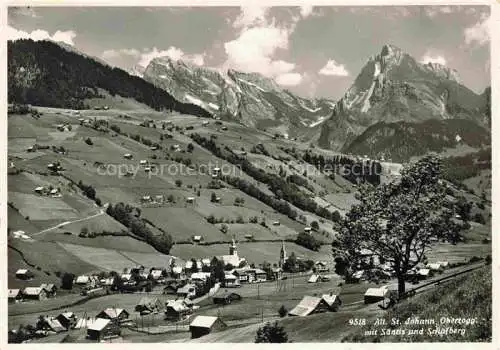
[(247, 97), (392, 87)]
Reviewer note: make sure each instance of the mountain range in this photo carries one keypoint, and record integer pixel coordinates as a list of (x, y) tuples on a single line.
[(391, 101), (249, 98)]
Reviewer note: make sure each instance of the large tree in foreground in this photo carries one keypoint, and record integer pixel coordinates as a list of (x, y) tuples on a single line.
[(396, 222)]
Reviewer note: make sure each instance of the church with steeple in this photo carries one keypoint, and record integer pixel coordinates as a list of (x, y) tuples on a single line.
[(233, 259)]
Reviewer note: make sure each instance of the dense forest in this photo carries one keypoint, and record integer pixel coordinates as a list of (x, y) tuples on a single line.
[(43, 73)]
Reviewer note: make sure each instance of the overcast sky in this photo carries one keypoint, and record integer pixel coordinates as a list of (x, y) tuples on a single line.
[(314, 52)]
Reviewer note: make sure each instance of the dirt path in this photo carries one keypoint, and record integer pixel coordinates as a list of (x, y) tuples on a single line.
[(101, 212)]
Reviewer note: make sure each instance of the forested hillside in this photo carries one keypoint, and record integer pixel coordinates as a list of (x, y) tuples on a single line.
[(45, 74)]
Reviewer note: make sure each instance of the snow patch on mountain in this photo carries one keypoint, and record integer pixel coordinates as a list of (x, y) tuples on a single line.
[(194, 100), (251, 84), (317, 122), (213, 105)]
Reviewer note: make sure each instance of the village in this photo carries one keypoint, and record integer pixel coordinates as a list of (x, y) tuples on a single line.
[(190, 297)]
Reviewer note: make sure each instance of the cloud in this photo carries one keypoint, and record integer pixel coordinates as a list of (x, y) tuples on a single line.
[(480, 32), (334, 69), (254, 49), (429, 58), (39, 34), (258, 42), (173, 53), (251, 16), (289, 79), (110, 54)]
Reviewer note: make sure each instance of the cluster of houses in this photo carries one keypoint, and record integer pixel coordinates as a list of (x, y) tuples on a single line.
[(372, 265), (106, 324), (44, 291)]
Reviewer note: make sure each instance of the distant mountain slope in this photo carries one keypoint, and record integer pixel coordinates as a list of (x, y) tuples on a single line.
[(393, 87), (248, 98), (44, 73), (402, 140)]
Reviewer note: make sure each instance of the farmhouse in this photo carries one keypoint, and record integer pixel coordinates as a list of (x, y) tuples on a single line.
[(143, 162), (50, 324), (82, 280), (148, 305), (102, 328), (190, 199), (40, 189), (50, 289), (321, 266), (14, 295), (231, 281), (188, 291), (197, 239), (444, 264), (84, 322), (333, 301), (435, 267), (226, 298), (424, 273), (177, 270), (24, 274), (200, 276), (373, 295), (176, 310), (67, 319), (309, 305), (34, 293), (113, 314), (127, 156), (307, 229), (203, 325)]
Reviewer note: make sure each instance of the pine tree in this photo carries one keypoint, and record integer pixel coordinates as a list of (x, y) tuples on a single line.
[(271, 334)]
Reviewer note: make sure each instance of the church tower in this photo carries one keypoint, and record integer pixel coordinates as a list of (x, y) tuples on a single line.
[(232, 248), (282, 255)]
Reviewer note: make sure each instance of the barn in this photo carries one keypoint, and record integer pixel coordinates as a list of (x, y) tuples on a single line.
[(148, 305), (309, 305), (231, 281), (34, 293), (113, 314), (102, 328), (226, 298), (15, 295), (24, 274), (333, 301), (67, 319), (177, 310), (373, 295), (203, 325)]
